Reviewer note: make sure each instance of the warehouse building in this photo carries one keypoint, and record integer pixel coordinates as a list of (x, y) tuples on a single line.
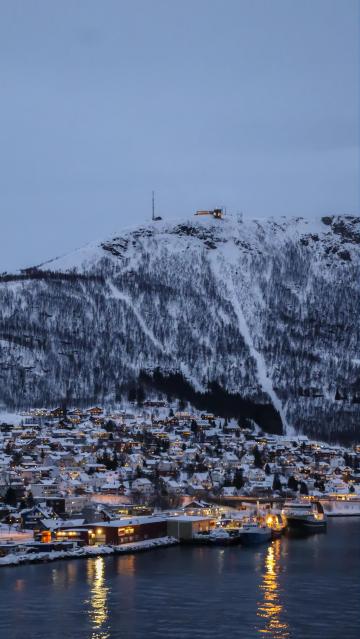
[(184, 527)]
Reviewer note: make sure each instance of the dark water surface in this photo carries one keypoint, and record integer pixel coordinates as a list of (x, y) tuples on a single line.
[(299, 588)]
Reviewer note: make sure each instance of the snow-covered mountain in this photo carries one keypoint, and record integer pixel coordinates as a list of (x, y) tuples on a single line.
[(263, 315)]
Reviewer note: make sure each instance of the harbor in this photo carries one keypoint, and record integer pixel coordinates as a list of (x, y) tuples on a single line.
[(199, 524), (275, 588)]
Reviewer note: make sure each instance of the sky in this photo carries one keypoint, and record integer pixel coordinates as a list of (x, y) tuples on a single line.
[(248, 104)]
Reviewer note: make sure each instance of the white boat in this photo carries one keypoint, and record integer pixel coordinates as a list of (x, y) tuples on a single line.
[(219, 536)]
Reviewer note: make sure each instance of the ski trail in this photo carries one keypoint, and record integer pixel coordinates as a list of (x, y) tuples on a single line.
[(263, 377), (183, 367), (126, 298)]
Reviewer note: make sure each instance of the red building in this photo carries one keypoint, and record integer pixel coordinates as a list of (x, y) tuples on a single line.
[(128, 530)]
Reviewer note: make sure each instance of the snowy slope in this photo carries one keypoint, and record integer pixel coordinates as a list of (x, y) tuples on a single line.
[(268, 309)]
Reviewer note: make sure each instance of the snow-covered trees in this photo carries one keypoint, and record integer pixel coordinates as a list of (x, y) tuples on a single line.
[(81, 331)]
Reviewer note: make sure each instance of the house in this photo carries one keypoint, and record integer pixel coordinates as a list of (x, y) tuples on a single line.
[(95, 411), (31, 517), (229, 491), (171, 486), (143, 486)]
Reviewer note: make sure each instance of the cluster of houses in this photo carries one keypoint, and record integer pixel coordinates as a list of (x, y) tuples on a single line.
[(97, 475)]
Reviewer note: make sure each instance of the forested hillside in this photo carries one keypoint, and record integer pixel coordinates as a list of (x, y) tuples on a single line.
[(257, 318)]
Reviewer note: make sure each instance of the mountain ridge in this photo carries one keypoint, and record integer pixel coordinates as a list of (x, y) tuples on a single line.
[(267, 309)]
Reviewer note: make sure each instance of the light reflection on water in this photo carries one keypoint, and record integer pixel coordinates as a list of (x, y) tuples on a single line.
[(20, 585), (64, 576), (71, 573), (126, 565), (296, 588), (270, 609), (98, 608), (221, 557)]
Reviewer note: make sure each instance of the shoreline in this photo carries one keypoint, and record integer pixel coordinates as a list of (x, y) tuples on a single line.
[(85, 552)]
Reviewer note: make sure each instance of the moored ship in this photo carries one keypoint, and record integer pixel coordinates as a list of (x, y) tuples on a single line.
[(252, 533), (305, 516), (277, 523)]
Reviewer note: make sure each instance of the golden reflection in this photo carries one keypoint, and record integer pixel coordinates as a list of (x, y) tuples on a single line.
[(98, 611), (71, 572), (270, 608), (20, 585), (126, 565)]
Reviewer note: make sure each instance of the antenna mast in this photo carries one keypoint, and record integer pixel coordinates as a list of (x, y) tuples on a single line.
[(153, 206)]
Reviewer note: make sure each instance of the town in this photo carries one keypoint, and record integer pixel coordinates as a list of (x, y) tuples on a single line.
[(154, 472)]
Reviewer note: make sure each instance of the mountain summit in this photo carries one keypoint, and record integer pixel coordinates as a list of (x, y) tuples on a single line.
[(259, 318)]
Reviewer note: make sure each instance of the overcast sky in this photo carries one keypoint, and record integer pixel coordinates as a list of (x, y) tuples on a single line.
[(253, 104)]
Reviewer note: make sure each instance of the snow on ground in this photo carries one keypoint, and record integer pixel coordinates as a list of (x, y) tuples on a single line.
[(7, 417), (224, 272), (82, 258), (85, 257), (249, 255), (263, 375), (16, 558)]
